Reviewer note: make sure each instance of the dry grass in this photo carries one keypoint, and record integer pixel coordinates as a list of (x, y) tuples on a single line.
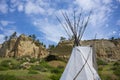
[(57, 63)]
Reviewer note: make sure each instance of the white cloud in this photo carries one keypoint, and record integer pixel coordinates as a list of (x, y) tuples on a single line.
[(118, 0), (13, 1), (20, 7), (119, 34), (7, 32), (3, 7), (11, 9), (1, 38), (118, 23), (107, 1), (85, 4), (47, 23), (101, 10), (114, 32), (52, 32), (32, 8), (5, 23)]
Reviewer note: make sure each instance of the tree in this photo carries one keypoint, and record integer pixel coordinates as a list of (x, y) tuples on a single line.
[(6, 38), (37, 42), (112, 38), (14, 35), (51, 46), (44, 45), (34, 37), (62, 38)]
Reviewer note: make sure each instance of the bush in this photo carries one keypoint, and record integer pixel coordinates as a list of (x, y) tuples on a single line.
[(6, 63), (32, 60), (100, 68), (16, 66), (56, 70), (116, 70), (2, 68), (116, 64), (105, 77), (32, 72), (7, 77), (43, 67), (9, 64), (101, 62), (39, 67), (55, 76)]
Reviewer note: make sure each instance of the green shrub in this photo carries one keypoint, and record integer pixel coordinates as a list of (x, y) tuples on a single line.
[(9, 64), (55, 76), (100, 68), (101, 62), (117, 72), (116, 69), (6, 63), (105, 77), (32, 60), (56, 70), (32, 72), (7, 77), (2, 68), (116, 64), (39, 67), (43, 67), (16, 66)]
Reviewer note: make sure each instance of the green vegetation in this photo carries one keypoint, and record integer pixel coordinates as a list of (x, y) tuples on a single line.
[(8, 77), (62, 38), (32, 72), (101, 62), (57, 73), (55, 76), (116, 69), (49, 70), (109, 70), (9, 64), (10, 67), (51, 47)]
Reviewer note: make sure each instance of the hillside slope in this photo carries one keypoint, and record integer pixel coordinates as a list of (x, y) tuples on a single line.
[(105, 49)]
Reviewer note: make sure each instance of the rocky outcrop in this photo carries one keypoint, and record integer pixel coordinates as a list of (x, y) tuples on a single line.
[(105, 49), (22, 46)]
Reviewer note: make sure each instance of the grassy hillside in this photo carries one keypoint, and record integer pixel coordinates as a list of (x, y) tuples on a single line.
[(34, 69), (51, 68), (11, 69)]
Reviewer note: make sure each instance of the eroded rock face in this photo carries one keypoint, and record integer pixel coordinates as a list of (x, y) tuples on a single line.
[(105, 49), (22, 46)]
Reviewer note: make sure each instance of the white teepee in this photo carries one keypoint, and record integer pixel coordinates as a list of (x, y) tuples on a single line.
[(81, 65)]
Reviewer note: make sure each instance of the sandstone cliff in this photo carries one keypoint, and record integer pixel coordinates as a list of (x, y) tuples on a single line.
[(22, 46), (105, 49)]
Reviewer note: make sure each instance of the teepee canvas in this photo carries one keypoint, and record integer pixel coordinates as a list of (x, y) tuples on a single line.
[(82, 64)]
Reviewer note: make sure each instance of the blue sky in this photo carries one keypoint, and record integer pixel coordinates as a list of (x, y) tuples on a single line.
[(39, 17)]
